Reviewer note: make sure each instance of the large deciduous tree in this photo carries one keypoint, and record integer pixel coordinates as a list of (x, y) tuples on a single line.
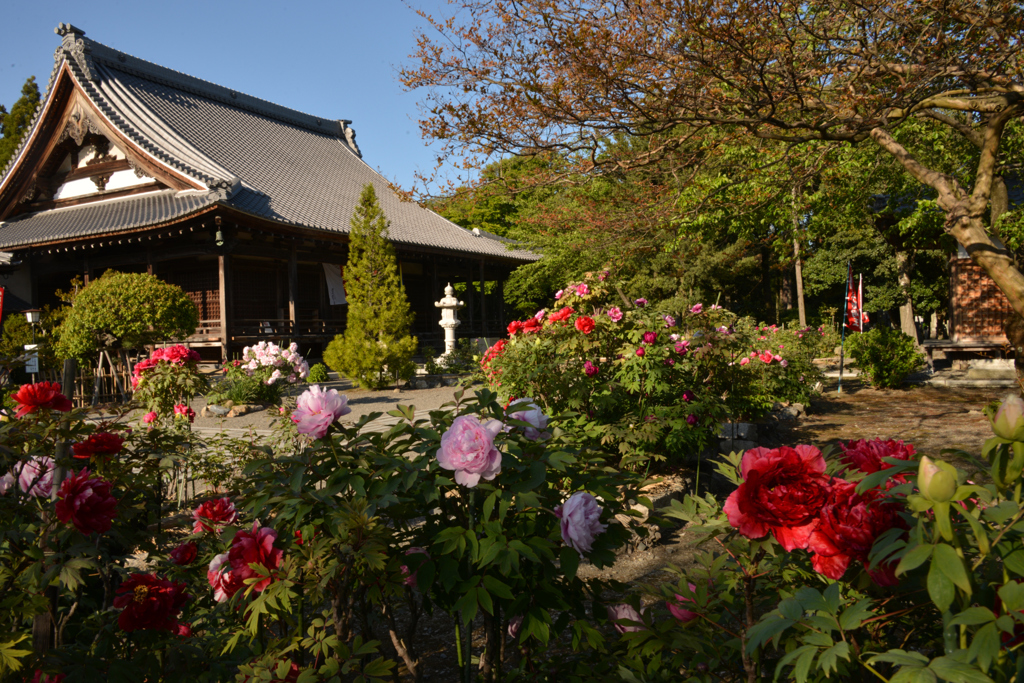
[(553, 75)]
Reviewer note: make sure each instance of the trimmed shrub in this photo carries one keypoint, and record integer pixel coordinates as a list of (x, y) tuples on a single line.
[(886, 355)]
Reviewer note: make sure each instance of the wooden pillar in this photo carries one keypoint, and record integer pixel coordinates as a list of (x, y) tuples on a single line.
[(150, 266), (293, 287), (500, 289), (224, 273), (483, 301), (469, 302)]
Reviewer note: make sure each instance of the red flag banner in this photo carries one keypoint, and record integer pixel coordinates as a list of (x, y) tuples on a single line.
[(855, 315)]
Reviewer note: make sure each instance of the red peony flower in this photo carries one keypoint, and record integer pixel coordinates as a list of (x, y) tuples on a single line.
[(222, 580), (783, 491), (847, 528), (41, 395), (178, 354), (585, 324), (560, 315), (149, 603), (532, 325), (514, 328), (255, 547), (86, 502), (866, 456), (185, 554), (41, 677), (100, 443), (184, 630), (213, 514)]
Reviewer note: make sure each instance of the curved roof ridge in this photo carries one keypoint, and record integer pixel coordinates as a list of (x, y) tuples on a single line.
[(107, 56), (152, 127)]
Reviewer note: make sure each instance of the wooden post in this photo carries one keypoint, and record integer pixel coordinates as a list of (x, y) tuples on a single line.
[(293, 287), (224, 276), (483, 301)]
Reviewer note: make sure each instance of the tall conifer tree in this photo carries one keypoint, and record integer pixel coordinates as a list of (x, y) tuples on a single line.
[(376, 347), (15, 124)]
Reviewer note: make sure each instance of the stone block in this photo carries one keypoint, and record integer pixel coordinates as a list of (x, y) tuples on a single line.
[(738, 430)]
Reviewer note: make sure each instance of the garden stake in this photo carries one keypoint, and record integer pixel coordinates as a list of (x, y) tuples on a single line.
[(842, 341)]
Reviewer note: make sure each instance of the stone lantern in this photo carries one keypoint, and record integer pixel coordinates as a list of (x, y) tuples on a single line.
[(449, 306)]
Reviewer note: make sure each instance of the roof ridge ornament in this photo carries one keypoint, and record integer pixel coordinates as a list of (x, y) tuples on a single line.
[(77, 48), (350, 136)]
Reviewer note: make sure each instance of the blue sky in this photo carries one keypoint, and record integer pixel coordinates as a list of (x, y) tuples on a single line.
[(331, 59)]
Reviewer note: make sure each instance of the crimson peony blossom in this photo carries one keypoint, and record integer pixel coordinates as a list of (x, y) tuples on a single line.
[(185, 554), (149, 418), (40, 396), (640, 352), (534, 324), (86, 502), (41, 677), (178, 354), (254, 547), (184, 630), (100, 443), (580, 521), (783, 491), (316, 410), (184, 412), (585, 324), (213, 514), (650, 337), (149, 603), (866, 456), (560, 315), (514, 328), (222, 580), (468, 449), (590, 369), (848, 526)]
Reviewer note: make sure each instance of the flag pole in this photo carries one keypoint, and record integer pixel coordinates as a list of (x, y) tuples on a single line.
[(842, 342)]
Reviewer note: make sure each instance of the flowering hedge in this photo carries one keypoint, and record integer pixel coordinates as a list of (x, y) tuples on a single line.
[(654, 381)]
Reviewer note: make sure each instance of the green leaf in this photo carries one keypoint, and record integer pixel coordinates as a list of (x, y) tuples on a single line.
[(998, 514), (914, 674), (489, 505), (1013, 557), (811, 599), (484, 599), (569, 560), (972, 616), (948, 669), (827, 659), (853, 617), (1012, 596), (832, 598), (900, 658), (952, 565), (980, 535), (940, 589), (942, 520), (791, 609), (766, 629), (498, 588), (915, 558), (985, 646)]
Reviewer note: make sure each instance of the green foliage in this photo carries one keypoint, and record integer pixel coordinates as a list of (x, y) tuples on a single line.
[(136, 309), (317, 374), (885, 354), (460, 361), (15, 124), (375, 348)]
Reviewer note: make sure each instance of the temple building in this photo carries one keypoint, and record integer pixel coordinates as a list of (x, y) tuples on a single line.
[(242, 203)]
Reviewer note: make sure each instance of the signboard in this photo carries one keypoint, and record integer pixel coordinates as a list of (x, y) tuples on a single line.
[(32, 366), (335, 276)]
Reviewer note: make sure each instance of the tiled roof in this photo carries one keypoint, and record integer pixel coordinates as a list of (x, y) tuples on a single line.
[(112, 216), (267, 160)]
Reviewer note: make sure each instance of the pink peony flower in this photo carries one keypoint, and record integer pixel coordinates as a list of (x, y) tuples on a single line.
[(640, 352), (6, 483), (682, 347), (697, 308), (675, 607), (221, 580), (744, 361), (86, 502), (254, 547), (670, 321), (35, 476), (641, 302), (514, 624), (625, 612), (525, 410), (184, 412), (410, 576), (468, 449), (615, 314), (315, 411), (149, 418), (581, 521), (558, 295), (590, 369), (650, 337), (582, 290)]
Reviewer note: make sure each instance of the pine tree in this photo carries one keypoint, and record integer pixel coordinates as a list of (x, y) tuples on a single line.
[(15, 124), (375, 348)]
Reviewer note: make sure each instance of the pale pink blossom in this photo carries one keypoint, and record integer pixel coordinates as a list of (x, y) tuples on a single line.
[(615, 314), (626, 613), (675, 607), (316, 409), (525, 410), (744, 361), (35, 476), (468, 449), (697, 308), (582, 290), (149, 418), (580, 521)]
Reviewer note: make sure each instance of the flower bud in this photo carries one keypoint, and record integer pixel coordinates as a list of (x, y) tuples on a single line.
[(1008, 422), (937, 481)]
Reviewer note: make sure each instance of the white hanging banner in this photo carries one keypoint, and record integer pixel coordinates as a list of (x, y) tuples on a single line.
[(335, 283)]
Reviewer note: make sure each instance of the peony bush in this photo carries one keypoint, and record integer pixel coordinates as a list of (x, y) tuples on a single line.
[(656, 382)]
